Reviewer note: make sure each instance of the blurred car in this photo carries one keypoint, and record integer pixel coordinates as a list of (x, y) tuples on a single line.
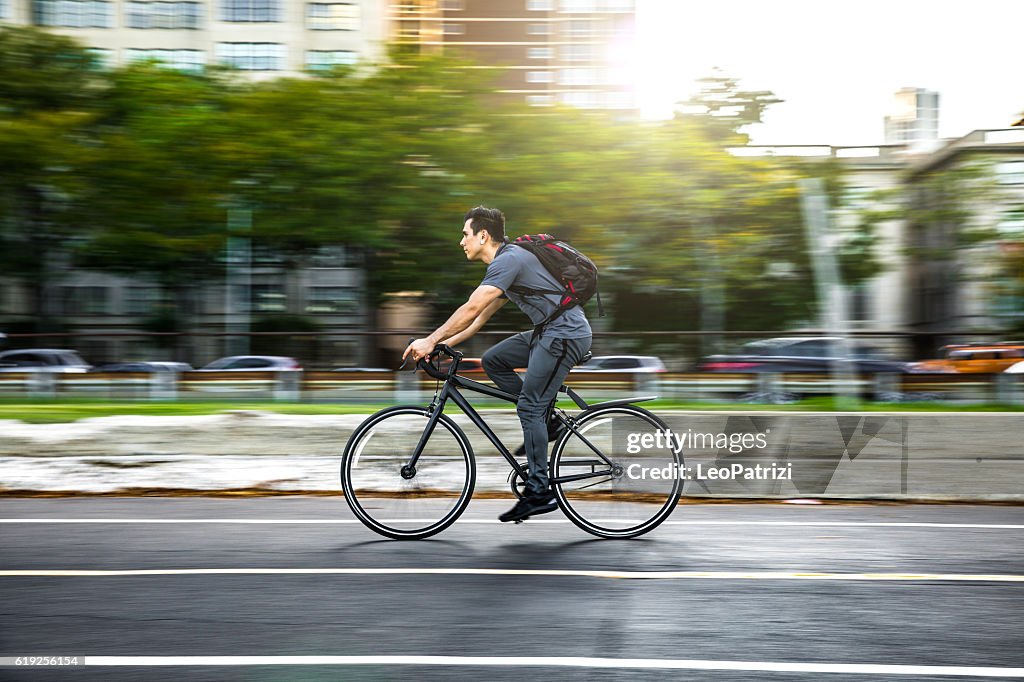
[(798, 354), (252, 363), (1017, 368), (145, 367), (642, 364), (57, 360), (973, 358)]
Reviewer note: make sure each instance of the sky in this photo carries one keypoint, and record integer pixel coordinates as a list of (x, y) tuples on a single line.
[(837, 64)]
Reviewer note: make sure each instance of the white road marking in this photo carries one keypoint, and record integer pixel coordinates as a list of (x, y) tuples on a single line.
[(820, 524), (572, 573), (561, 662)]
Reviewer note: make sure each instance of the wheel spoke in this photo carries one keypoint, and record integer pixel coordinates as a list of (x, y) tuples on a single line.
[(626, 500), (402, 502)]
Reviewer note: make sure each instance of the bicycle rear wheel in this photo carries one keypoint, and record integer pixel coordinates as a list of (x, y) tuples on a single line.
[(388, 496), (611, 477)]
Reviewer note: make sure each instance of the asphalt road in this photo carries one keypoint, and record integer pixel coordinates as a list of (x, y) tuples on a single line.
[(938, 593)]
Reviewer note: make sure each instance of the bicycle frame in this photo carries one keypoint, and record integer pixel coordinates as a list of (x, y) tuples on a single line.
[(450, 391)]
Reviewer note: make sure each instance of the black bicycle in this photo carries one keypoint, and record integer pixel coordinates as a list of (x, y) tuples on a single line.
[(408, 472)]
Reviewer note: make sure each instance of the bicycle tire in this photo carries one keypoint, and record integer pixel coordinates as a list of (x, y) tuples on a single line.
[(399, 507), (623, 505)]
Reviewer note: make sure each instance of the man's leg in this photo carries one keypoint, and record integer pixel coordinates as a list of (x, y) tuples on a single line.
[(548, 367), (501, 360)]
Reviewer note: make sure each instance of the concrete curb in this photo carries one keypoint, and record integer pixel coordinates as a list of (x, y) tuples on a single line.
[(941, 457)]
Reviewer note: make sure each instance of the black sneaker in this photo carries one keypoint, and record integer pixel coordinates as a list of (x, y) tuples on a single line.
[(531, 505)]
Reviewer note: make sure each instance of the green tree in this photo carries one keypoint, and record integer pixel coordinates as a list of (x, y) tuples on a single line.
[(721, 108), (369, 159), (48, 89), (158, 189)]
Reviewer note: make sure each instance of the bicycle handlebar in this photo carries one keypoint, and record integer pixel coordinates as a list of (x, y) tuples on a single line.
[(425, 364)]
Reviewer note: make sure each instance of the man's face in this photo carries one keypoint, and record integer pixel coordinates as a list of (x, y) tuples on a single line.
[(471, 243)]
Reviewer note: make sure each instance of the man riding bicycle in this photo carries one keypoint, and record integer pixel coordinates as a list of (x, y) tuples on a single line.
[(547, 353)]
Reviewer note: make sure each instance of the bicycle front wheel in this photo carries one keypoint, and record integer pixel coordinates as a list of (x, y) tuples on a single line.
[(612, 479), (399, 501)]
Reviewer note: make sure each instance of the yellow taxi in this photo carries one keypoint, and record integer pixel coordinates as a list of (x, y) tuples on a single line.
[(974, 358)]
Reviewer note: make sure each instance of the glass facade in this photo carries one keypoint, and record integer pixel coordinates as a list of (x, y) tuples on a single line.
[(73, 13), (322, 60), (252, 56), (254, 11), (162, 15), (332, 16)]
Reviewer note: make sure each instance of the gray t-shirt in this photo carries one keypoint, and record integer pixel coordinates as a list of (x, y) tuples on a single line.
[(515, 265)]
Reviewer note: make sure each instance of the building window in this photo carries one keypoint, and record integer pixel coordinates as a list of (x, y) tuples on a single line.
[(252, 56), (169, 15), (73, 13), (104, 57), (453, 29), (4, 9), (540, 52), (582, 28), (324, 60), (1010, 172), (540, 100), (86, 301), (1011, 225), (332, 16), (251, 11), (540, 5), (540, 77), (336, 256), (578, 53), (539, 29), (453, 5), (268, 298), (184, 60), (857, 198), (141, 300), (332, 300)]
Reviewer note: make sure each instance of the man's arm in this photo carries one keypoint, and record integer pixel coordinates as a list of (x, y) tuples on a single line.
[(459, 321), (479, 322)]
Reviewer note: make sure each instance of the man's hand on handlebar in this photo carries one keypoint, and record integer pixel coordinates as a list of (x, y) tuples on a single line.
[(419, 349)]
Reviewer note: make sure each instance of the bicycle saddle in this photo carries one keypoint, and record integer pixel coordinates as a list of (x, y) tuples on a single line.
[(586, 358)]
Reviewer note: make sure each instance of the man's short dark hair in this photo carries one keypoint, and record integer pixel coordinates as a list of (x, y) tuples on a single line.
[(490, 219)]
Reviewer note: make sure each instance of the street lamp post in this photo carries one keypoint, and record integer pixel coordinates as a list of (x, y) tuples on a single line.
[(237, 294)]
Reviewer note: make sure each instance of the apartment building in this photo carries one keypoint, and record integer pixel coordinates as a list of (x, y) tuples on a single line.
[(552, 51), (969, 286), (933, 279), (264, 38), (913, 119)]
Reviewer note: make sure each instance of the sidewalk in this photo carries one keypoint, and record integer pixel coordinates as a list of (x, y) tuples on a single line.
[(900, 456)]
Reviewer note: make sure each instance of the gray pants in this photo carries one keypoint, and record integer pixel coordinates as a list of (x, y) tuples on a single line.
[(547, 364)]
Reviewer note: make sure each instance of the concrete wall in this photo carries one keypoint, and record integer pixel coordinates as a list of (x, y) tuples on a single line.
[(871, 456)]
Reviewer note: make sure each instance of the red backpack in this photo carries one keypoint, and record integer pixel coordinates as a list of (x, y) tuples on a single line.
[(576, 273)]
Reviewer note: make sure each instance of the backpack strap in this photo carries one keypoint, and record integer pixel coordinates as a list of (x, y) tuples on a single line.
[(529, 291)]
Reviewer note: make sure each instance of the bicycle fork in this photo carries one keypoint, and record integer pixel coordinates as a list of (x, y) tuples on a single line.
[(436, 409)]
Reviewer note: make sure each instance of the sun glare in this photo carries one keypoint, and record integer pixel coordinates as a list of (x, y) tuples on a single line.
[(663, 70)]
